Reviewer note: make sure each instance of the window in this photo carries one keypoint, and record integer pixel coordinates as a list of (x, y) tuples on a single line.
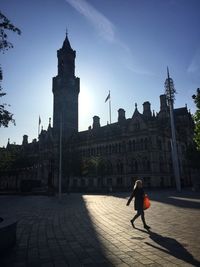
[(141, 144), (159, 144), (109, 181), (82, 182), (137, 125), (119, 180), (91, 182), (133, 145), (145, 144), (75, 182), (130, 145)]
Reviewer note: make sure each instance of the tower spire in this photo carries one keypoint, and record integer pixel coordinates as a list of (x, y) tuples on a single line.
[(66, 43), (168, 72)]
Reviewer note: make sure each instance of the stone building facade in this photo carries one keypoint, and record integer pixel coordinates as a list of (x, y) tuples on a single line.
[(106, 157)]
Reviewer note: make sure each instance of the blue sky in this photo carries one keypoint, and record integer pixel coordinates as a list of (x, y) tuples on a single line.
[(123, 46)]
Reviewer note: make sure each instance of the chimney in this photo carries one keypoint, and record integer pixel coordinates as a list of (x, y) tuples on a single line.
[(25, 140), (121, 115), (163, 103), (96, 122), (147, 109)]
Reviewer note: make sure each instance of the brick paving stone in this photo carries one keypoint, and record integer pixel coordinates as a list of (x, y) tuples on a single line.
[(60, 263), (95, 230), (19, 264), (121, 265), (47, 264)]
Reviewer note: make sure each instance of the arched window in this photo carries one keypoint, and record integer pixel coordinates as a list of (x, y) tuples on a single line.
[(141, 144), (109, 168), (110, 149), (116, 148), (119, 181), (136, 166), (148, 165), (169, 145), (130, 145), (159, 144), (121, 167), (145, 144), (137, 125), (119, 148), (133, 145)]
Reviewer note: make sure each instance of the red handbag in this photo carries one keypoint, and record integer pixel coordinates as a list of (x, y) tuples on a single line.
[(146, 202)]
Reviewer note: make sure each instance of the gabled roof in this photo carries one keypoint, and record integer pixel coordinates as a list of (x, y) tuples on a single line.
[(136, 113), (181, 111)]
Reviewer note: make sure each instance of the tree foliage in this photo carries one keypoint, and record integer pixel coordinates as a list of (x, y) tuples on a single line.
[(193, 151), (5, 25), (197, 118), (15, 158)]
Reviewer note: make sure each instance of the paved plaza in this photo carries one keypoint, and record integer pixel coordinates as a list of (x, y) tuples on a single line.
[(95, 230)]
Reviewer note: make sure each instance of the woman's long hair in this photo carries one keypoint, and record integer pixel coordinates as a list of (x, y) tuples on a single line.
[(136, 184)]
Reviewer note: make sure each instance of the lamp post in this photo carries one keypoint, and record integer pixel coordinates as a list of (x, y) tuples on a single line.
[(170, 93), (60, 161)]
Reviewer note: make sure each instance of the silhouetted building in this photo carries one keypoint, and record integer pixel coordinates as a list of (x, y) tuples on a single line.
[(65, 91), (102, 157)]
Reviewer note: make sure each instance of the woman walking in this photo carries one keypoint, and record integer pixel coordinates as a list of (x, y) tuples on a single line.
[(138, 193)]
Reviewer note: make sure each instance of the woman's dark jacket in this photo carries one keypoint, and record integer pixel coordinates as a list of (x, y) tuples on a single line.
[(138, 193)]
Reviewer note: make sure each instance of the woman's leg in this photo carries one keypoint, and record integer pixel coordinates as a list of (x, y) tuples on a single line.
[(136, 216), (140, 213), (143, 220)]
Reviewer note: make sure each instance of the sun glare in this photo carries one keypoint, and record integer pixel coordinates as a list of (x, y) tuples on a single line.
[(86, 107)]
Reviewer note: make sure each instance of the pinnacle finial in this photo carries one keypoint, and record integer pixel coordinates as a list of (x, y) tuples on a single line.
[(136, 105), (66, 43), (167, 72)]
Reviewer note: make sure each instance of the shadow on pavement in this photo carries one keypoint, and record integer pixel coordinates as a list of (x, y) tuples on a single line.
[(53, 233), (184, 199), (172, 247)]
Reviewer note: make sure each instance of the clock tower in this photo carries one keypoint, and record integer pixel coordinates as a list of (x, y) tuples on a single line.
[(66, 87)]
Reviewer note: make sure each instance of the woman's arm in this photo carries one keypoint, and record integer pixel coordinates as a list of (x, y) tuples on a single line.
[(130, 198)]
